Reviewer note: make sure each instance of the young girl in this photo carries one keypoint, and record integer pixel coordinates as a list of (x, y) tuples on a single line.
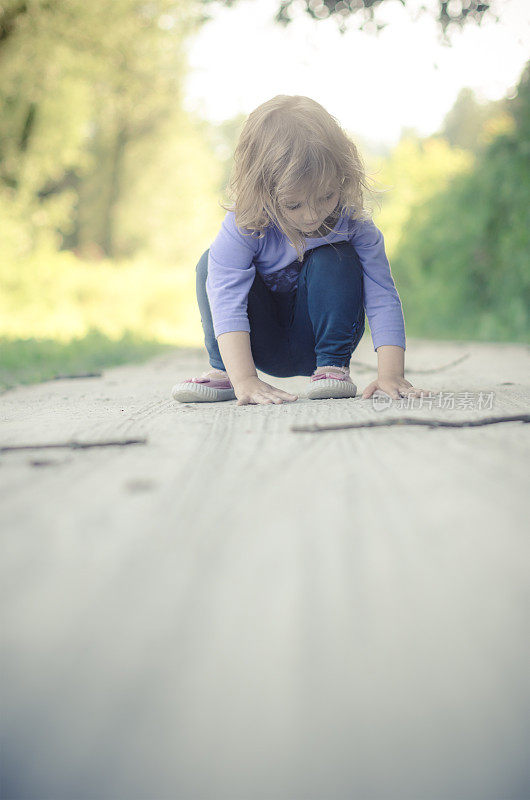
[(284, 286)]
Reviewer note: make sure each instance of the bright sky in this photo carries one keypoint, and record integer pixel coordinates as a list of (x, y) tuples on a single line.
[(403, 77)]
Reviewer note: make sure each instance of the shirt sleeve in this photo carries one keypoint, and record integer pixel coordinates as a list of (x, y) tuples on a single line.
[(231, 272), (381, 300)]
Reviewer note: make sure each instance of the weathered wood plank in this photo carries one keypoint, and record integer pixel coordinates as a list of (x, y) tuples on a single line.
[(238, 611)]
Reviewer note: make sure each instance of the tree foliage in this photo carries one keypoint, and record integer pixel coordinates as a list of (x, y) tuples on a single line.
[(449, 15), (462, 258), (469, 122), (91, 98)]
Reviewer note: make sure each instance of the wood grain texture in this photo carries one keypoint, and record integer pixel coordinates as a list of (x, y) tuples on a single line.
[(235, 611)]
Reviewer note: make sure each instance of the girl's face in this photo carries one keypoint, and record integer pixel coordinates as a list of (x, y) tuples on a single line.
[(306, 219)]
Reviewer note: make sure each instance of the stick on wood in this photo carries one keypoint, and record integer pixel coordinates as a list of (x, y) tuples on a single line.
[(72, 445), (76, 375), (430, 423)]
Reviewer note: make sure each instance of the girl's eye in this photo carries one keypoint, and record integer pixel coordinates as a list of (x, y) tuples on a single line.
[(293, 208)]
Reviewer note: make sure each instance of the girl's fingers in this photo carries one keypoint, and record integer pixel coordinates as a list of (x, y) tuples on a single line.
[(263, 399), (368, 391)]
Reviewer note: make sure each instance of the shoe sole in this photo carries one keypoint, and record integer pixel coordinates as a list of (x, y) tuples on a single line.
[(200, 393), (329, 389)]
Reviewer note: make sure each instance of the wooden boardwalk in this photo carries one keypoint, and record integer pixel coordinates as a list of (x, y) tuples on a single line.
[(238, 611)]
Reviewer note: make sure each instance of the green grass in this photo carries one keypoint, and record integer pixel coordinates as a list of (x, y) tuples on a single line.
[(26, 361)]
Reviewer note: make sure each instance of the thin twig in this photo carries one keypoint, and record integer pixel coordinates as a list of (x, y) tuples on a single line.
[(430, 423), (72, 445), (371, 367), (76, 375)]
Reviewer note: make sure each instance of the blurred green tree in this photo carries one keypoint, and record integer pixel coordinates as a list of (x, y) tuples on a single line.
[(463, 254), (464, 124), (90, 97)]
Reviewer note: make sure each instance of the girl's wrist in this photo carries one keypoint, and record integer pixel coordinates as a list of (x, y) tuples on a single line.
[(390, 361), (386, 375)]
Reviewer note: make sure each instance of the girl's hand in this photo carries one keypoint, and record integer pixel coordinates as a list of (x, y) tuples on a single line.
[(395, 386), (253, 391)]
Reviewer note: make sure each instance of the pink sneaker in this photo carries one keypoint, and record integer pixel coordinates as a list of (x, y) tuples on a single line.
[(203, 390), (331, 385)]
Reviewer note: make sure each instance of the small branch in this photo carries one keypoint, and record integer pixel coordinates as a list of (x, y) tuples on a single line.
[(373, 367), (73, 445), (430, 423), (77, 375)]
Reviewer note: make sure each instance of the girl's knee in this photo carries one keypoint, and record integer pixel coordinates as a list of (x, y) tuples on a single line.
[(337, 263), (338, 256)]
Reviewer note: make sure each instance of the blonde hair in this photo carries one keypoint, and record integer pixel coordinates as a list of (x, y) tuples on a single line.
[(291, 144)]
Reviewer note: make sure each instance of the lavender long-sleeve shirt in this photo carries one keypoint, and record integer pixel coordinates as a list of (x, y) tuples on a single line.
[(234, 258)]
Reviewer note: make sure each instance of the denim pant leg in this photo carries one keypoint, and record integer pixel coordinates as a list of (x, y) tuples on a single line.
[(268, 316), (210, 342), (268, 333), (328, 319)]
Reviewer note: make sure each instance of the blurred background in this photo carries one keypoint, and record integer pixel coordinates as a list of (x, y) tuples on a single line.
[(117, 129)]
